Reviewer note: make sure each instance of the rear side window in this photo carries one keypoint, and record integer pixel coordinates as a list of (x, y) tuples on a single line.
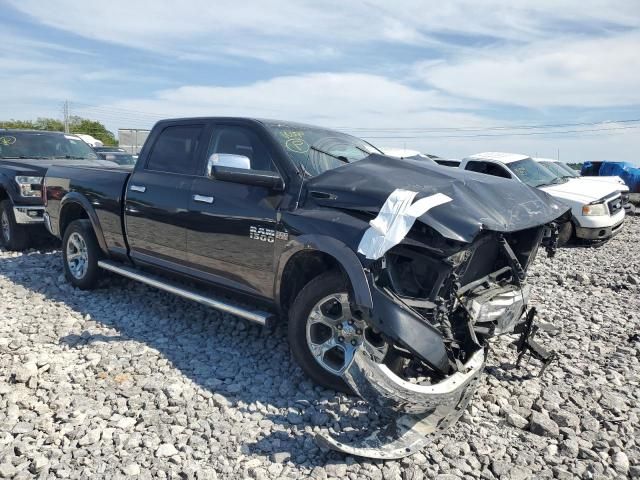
[(480, 167), (175, 150), (497, 171)]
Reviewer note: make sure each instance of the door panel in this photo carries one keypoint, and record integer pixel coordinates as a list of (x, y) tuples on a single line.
[(234, 235), (157, 197), (155, 218)]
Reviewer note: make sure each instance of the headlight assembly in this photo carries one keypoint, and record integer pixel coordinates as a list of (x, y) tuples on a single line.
[(594, 210), (29, 186)]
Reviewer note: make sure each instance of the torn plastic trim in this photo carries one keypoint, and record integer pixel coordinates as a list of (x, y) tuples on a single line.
[(394, 221), (427, 410), (403, 325)]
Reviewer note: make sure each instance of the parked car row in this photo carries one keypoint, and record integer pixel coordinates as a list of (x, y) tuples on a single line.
[(393, 272), (598, 204)]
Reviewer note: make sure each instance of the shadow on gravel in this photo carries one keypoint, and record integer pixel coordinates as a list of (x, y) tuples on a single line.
[(220, 353)]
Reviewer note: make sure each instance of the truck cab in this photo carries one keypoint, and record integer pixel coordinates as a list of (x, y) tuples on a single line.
[(597, 207)]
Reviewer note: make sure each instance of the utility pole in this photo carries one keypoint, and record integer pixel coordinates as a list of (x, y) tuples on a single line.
[(66, 116), (558, 154)]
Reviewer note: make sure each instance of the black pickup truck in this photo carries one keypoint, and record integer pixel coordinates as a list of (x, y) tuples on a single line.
[(384, 268), (25, 156)]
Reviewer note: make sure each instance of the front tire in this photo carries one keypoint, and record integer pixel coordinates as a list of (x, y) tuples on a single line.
[(12, 235), (324, 334), (565, 234), (80, 254)]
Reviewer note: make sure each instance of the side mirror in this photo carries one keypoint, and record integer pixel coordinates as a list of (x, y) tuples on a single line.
[(227, 160), (227, 167)]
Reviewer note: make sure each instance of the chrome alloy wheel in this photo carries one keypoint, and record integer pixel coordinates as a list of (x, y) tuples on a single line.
[(334, 335), (77, 255), (6, 227)]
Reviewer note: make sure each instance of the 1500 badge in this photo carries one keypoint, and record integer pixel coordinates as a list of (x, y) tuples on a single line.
[(266, 234)]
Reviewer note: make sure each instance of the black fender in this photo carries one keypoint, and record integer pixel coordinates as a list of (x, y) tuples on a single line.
[(345, 257), (79, 199), (5, 184)]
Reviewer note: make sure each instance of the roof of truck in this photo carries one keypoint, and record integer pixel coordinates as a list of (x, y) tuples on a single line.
[(499, 156)]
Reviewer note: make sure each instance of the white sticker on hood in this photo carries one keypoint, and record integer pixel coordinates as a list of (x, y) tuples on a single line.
[(394, 221)]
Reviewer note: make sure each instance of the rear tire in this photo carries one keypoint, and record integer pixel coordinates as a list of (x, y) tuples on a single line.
[(13, 236), (80, 254)]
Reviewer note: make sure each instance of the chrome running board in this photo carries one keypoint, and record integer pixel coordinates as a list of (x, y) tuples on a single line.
[(256, 316)]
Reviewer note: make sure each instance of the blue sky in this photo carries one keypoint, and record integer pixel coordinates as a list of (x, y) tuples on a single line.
[(433, 76)]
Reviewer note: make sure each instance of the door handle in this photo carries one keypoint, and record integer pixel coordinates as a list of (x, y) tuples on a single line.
[(203, 199), (138, 188)]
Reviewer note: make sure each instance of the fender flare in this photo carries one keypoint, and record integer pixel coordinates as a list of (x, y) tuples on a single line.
[(6, 186), (345, 257), (81, 200)]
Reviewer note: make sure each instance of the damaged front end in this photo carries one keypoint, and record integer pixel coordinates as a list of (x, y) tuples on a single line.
[(436, 302)]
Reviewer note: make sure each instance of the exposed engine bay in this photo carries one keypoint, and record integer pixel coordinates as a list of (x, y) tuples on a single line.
[(437, 308)]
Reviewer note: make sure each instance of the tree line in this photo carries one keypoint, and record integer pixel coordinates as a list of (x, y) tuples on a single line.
[(76, 125)]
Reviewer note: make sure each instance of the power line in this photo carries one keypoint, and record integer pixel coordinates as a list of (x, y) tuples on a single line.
[(502, 127), (504, 134)]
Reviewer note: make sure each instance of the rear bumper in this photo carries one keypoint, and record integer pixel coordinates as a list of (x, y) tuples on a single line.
[(26, 215)]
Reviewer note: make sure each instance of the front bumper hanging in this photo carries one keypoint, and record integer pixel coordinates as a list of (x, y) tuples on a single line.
[(417, 413)]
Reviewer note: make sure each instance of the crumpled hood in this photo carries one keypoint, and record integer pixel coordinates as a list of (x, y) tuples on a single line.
[(479, 202), (582, 190)]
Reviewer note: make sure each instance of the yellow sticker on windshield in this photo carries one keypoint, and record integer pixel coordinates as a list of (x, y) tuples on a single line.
[(7, 140), (295, 141)]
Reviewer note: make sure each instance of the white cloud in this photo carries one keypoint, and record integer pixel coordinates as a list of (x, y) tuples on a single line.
[(474, 57), (332, 99), (305, 30), (581, 72), (355, 102)]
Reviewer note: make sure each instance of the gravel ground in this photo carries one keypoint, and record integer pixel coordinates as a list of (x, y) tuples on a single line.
[(127, 381)]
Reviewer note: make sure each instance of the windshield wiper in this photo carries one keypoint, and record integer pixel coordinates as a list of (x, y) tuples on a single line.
[(71, 157), (24, 157), (548, 184), (340, 158)]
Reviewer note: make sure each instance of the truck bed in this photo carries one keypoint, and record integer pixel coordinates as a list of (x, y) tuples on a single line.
[(99, 190)]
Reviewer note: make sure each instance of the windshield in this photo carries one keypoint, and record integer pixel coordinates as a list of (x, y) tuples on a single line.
[(566, 168), (317, 150), (555, 169), (534, 174), (37, 145)]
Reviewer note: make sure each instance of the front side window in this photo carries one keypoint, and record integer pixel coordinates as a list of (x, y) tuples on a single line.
[(44, 145), (175, 150), (241, 141), (533, 174), (317, 150)]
